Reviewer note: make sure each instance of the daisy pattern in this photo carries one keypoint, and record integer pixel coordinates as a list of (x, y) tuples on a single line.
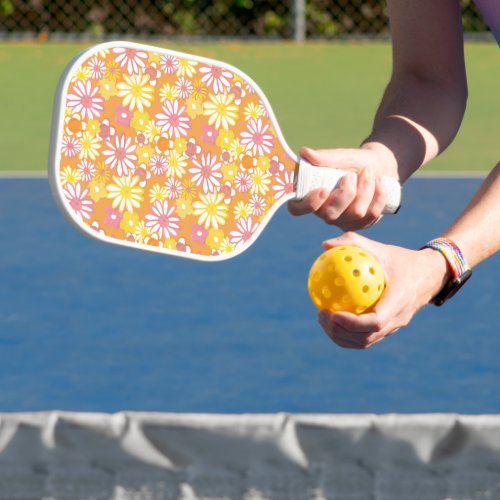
[(97, 68), (211, 210), (176, 164), (260, 181), (130, 59), (157, 193), (125, 193), (86, 170), (70, 146), (90, 146), (245, 228), (216, 77), (186, 67), (135, 91), (256, 138), (169, 64), (163, 221), (76, 196), (242, 182), (158, 164), (285, 185), (206, 173), (173, 188), (120, 154), (85, 100), (257, 204), (184, 87), (221, 110), (173, 121)]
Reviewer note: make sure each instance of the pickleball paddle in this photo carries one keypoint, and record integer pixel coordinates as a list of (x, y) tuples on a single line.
[(173, 153)]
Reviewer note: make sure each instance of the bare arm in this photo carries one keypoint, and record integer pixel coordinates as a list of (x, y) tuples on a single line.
[(424, 102), (419, 114)]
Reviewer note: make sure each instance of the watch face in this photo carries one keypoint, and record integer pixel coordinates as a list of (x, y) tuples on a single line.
[(451, 288)]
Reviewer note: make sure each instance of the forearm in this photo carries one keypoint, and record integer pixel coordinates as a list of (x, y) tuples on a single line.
[(424, 102), (416, 121), (477, 230)]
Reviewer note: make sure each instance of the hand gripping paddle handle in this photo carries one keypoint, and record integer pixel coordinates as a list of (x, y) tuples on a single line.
[(312, 177)]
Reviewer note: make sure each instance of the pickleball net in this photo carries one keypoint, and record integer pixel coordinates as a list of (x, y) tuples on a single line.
[(159, 456)]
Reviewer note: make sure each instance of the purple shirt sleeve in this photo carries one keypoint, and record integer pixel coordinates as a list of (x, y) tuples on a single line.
[(490, 9)]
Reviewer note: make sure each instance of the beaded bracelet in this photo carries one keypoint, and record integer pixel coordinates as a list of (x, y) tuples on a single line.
[(459, 267)]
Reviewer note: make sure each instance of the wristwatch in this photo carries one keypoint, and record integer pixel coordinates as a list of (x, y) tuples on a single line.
[(460, 270)]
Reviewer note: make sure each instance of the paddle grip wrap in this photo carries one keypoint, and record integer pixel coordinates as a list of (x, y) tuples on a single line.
[(311, 177)]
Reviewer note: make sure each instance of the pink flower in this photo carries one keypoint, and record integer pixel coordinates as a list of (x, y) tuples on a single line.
[(242, 182), (158, 164), (206, 173), (123, 115), (198, 233), (257, 204), (97, 67), (173, 120), (209, 134), (169, 64), (112, 217), (87, 170), (132, 59), (120, 154), (77, 199), (173, 187), (256, 139), (85, 101), (284, 185), (70, 146), (245, 229), (216, 77), (185, 87), (163, 220)]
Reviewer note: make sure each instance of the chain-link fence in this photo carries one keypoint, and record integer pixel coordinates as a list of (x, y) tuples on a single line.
[(206, 18)]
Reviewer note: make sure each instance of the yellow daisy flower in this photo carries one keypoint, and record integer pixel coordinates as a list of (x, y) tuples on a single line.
[(69, 175), (169, 92), (93, 127), (263, 162), (90, 146), (226, 246), (125, 193), (186, 68), (242, 209), (229, 171), (225, 139), (113, 71), (157, 193), (199, 89), (221, 110), (151, 131), (144, 153), (260, 181), (135, 91), (190, 189), (253, 110), (141, 232), (102, 173), (211, 210), (180, 145), (176, 164)]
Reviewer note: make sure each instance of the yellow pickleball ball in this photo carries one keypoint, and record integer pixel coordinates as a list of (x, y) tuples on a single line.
[(346, 278)]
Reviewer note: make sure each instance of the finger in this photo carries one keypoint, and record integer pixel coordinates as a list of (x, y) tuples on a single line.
[(338, 158), (339, 199), (311, 203)]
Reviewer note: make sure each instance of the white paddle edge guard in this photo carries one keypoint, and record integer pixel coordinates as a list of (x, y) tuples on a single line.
[(312, 177)]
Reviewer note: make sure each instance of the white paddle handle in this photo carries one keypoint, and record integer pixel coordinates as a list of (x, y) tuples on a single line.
[(312, 177)]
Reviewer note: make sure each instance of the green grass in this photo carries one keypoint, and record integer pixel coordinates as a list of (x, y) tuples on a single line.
[(323, 94)]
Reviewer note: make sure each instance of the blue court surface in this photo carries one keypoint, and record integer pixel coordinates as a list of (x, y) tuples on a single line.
[(86, 326)]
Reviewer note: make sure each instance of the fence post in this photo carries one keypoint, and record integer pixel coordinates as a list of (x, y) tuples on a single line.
[(299, 20)]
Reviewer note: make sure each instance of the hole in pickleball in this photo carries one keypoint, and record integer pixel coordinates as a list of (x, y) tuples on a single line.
[(346, 299), (359, 309), (379, 287), (339, 281), (327, 293), (348, 258), (316, 276), (366, 289), (372, 270), (356, 273), (363, 254)]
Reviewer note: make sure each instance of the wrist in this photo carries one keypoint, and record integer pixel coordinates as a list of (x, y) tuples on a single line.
[(388, 165), (437, 273)]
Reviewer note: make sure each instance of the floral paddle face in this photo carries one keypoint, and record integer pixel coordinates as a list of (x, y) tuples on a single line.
[(169, 152)]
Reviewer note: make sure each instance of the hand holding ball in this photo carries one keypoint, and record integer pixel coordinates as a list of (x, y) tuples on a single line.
[(346, 278)]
